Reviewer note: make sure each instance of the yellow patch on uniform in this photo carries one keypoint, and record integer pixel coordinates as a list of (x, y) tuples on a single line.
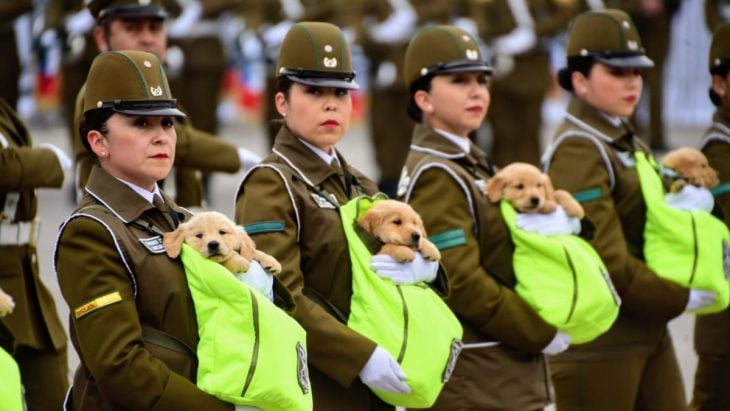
[(97, 303)]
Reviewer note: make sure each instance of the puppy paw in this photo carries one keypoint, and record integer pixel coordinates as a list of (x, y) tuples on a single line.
[(237, 264), (268, 262), (6, 304), (400, 253), (429, 251)]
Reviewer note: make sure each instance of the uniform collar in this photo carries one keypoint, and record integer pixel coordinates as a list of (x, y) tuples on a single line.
[(119, 197), (722, 116), (303, 159), (591, 120), (429, 141)]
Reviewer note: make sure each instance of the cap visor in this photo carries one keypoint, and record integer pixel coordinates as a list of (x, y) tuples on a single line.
[(481, 68), (628, 62), (166, 111), (325, 82), (137, 12)]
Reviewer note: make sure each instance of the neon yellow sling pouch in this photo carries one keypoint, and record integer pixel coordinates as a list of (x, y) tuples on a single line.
[(564, 279), (410, 321), (250, 352), (687, 247), (11, 387)]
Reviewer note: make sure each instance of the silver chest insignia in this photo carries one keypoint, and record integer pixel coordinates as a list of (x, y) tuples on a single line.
[(153, 244), (627, 159), (323, 202)]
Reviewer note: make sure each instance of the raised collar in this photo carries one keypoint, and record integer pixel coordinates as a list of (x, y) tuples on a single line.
[(119, 198), (586, 117), (300, 157)]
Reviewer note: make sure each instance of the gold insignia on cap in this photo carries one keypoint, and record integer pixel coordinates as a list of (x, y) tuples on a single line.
[(424, 71), (328, 48), (583, 52), (147, 64), (626, 24), (717, 61), (632, 45), (472, 54), (465, 38), (330, 62), (156, 91), (97, 303), (99, 104)]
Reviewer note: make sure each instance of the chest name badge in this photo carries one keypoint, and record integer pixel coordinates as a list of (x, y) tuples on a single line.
[(153, 244), (323, 202), (627, 159)]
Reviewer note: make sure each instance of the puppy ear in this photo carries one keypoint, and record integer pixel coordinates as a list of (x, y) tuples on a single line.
[(248, 247), (173, 241), (548, 205), (494, 188), (369, 220)]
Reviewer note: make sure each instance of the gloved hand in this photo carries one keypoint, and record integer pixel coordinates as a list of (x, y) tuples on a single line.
[(248, 158), (383, 372), (416, 271), (690, 198), (559, 343), (79, 23), (63, 158), (191, 13), (274, 35), (555, 223), (700, 299), (398, 27), (516, 41), (259, 279)]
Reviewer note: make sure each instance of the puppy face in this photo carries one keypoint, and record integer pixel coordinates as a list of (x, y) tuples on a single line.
[(213, 234), (691, 164), (524, 186), (394, 222)]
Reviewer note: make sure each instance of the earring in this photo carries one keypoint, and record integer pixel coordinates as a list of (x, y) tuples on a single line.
[(103, 154)]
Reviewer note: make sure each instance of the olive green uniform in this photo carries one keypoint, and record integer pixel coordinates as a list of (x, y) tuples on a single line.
[(445, 186), (118, 289), (716, 12), (515, 111), (633, 365), (10, 69), (304, 232), (712, 332), (40, 341)]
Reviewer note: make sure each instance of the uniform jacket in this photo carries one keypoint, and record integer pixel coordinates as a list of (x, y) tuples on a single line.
[(9, 10), (23, 169), (285, 220), (592, 159), (445, 185), (114, 286), (712, 332)]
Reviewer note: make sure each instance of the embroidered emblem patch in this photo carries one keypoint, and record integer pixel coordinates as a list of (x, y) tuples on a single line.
[(302, 369), (726, 258), (627, 159), (323, 202), (97, 303), (153, 244), (456, 346), (330, 62), (472, 54), (156, 91)]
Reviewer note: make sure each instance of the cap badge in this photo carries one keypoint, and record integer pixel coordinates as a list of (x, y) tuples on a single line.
[(583, 52), (156, 91), (472, 54), (144, 2), (328, 48), (99, 104), (147, 64), (632, 45), (465, 38), (718, 61), (626, 24), (330, 62), (424, 71)]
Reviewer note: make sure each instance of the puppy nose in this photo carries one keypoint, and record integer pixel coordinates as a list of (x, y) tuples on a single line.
[(213, 245), (415, 238), (534, 200)]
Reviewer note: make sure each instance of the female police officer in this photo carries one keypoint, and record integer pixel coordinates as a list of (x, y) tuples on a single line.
[(501, 366), (633, 365), (132, 318), (290, 207)]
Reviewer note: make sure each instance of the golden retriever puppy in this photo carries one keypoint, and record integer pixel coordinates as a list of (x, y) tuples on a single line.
[(400, 228), (529, 190), (216, 237), (6, 303), (692, 167)]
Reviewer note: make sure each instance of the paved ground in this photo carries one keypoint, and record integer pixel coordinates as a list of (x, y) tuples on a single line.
[(55, 205)]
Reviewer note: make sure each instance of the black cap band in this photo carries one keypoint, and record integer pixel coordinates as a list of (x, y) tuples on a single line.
[(133, 11)]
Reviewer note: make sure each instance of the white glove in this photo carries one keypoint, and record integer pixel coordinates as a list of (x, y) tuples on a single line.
[(397, 28), (700, 299), (259, 279), (383, 372), (246, 408), (560, 343), (274, 35), (555, 223), (248, 158), (690, 198), (79, 23), (416, 271), (517, 41), (63, 158), (181, 26)]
